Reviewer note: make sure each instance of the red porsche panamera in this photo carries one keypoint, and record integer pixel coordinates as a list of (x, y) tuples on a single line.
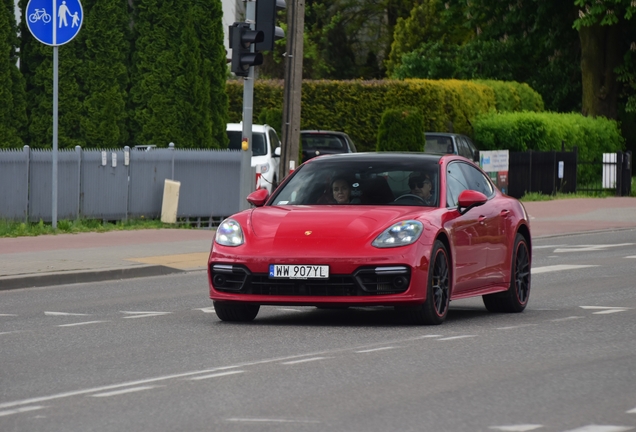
[(408, 230)]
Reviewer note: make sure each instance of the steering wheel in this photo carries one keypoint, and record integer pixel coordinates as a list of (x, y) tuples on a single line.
[(410, 196)]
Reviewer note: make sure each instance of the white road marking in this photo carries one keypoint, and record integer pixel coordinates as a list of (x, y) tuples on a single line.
[(376, 349), (8, 315), (590, 248), (548, 246), (430, 336), (187, 374), (10, 332), (606, 309), (631, 256), (517, 428), (64, 314), (262, 420), (631, 411), (515, 326), (138, 314), (559, 267), (207, 309), (304, 360), (567, 318), (81, 323), (601, 428), (216, 375), (124, 391), (20, 410), (456, 337)]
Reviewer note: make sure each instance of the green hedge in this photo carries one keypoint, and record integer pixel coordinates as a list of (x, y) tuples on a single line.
[(356, 107), (547, 131), (401, 130), (512, 96)]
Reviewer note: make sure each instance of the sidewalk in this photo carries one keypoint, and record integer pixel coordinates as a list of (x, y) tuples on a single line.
[(88, 257)]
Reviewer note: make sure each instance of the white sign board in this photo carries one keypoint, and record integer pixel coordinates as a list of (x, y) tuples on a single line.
[(494, 160)]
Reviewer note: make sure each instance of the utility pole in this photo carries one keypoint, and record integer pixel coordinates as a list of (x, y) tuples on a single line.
[(293, 88)]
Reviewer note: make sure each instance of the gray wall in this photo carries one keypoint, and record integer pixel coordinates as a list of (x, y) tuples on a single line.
[(131, 187)]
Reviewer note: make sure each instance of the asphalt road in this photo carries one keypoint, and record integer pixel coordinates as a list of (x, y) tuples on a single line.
[(149, 354)]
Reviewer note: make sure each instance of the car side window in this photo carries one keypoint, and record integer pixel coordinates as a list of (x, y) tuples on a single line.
[(471, 148), (456, 183), (464, 150), (273, 139), (477, 181)]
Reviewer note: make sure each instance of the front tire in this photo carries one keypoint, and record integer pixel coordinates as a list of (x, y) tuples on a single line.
[(515, 299), (435, 309), (236, 312)]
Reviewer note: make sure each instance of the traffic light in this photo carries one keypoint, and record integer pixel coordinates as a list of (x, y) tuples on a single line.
[(266, 11), (242, 37)]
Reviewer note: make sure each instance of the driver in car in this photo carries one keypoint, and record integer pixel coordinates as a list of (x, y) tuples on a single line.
[(422, 187)]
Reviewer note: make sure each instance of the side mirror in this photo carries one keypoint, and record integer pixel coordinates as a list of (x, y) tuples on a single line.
[(277, 152), (469, 199), (258, 197)]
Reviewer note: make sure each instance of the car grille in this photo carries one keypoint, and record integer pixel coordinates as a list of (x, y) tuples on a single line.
[(363, 282)]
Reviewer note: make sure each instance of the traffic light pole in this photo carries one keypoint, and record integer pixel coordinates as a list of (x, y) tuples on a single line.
[(248, 181)]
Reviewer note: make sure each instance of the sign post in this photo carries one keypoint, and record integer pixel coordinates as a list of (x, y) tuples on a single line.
[(54, 23), (495, 163)]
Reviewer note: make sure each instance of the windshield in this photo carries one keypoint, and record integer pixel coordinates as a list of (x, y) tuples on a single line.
[(259, 147), (381, 182), (439, 144), (323, 141)]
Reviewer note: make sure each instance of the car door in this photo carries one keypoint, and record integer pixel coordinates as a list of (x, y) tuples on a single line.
[(493, 218), (467, 232)]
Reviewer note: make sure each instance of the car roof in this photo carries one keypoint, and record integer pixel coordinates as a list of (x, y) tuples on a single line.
[(318, 131), (239, 127), (374, 156), (445, 134)]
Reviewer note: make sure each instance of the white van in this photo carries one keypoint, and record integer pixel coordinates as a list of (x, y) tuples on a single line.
[(265, 150)]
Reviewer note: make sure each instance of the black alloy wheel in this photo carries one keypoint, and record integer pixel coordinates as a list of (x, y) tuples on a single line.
[(435, 309), (515, 299)]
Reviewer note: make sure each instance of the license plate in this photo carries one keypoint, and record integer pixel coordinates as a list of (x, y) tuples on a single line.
[(299, 271)]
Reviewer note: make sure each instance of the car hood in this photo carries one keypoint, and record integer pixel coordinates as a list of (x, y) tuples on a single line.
[(325, 222)]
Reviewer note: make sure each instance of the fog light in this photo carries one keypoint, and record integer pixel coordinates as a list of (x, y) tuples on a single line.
[(219, 280), (400, 282)]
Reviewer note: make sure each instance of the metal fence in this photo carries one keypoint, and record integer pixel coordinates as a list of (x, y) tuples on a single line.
[(560, 171), (119, 184), (533, 171)]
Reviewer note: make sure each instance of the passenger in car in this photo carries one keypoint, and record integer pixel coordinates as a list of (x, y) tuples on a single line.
[(422, 186)]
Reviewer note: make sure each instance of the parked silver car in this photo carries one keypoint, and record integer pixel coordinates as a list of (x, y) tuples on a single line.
[(439, 142)]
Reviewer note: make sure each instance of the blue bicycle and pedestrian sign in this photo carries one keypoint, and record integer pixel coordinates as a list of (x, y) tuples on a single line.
[(54, 22)]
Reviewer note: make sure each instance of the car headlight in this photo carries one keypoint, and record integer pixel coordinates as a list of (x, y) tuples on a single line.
[(264, 168), (229, 233), (400, 234)]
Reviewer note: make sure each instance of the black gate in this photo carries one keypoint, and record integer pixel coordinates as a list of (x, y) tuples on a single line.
[(559, 171), (612, 173), (542, 172)]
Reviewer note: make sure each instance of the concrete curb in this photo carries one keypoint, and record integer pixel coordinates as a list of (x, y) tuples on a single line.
[(72, 277)]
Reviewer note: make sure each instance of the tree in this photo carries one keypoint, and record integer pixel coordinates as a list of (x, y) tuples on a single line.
[(344, 39), (429, 21), (178, 74), (104, 119), (208, 25), (608, 39), (12, 86), (531, 41)]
